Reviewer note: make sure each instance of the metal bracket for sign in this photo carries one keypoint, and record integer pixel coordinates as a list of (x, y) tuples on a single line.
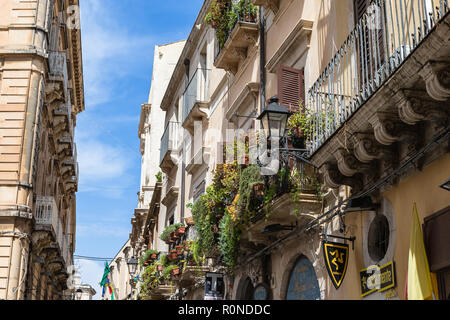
[(352, 239)]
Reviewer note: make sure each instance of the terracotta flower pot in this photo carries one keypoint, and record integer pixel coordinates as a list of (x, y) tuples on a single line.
[(172, 256), (176, 271), (153, 256), (179, 250), (180, 230), (258, 189)]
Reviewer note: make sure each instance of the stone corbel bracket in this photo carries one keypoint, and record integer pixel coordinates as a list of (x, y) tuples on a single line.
[(334, 179), (414, 106), (388, 129), (367, 149), (436, 75)]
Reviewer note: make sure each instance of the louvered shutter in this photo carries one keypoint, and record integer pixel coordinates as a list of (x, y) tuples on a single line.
[(291, 89)]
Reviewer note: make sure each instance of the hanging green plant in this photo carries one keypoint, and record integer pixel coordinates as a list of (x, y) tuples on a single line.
[(247, 205), (204, 222), (229, 238)]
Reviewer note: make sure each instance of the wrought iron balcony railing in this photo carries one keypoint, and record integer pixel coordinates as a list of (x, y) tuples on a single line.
[(47, 216), (197, 90), (169, 140), (382, 39)]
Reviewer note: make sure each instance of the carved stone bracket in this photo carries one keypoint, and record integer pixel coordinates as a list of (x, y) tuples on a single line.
[(367, 149), (348, 164), (436, 75), (334, 179), (413, 106), (388, 129)]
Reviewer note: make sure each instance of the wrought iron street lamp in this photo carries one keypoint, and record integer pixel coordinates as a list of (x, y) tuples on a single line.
[(132, 265), (274, 119)]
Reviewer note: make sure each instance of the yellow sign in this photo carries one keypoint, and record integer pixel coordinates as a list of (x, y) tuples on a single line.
[(375, 278), (336, 259)]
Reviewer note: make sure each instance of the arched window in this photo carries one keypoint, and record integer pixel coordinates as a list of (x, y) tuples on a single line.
[(303, 284)]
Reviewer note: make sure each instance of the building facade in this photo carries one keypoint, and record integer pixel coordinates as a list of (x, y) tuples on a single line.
[(119, 276), (150, 131), (367, 83), (82, 291), (41, 94)]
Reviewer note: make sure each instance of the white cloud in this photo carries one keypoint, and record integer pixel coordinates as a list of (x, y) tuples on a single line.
[(109, 51), (100, 161)]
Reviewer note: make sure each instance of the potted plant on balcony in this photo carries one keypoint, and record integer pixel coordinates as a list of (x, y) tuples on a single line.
[(148, 256), (172, 255), (298, 124), (179, 250), (166, 234), (246, 10), (180, 230), (153, 254)]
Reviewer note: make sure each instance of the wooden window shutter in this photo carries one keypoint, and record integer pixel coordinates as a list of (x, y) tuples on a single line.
[(291, 87)]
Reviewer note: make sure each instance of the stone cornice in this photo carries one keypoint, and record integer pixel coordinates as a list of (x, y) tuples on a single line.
[(76, 61)]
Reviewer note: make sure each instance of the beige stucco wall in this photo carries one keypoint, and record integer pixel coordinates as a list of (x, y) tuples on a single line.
[(26, 38)]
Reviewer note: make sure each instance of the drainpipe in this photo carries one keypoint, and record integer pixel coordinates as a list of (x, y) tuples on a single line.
[(183, 155), (262, 57)]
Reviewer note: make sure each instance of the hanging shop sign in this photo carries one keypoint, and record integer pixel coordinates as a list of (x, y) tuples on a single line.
[(214, 286), (377, 279), (261, 292), (336, 260)]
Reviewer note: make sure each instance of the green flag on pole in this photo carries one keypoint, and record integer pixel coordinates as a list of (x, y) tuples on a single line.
[(105, 274)]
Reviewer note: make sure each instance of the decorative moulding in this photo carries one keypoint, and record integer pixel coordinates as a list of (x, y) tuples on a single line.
[(300, 33), (249, 90)]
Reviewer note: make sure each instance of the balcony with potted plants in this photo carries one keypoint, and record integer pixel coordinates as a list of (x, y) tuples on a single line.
[(156, 279), (240, 203), (236, 26), (273, 5)]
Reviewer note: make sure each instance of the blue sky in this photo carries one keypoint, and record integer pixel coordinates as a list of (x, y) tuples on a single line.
[(118, 40)]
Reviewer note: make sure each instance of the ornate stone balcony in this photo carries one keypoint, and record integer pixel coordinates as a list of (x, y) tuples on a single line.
[(191, 274), (196, 99), (273, 5), (162, 292), (199, 159), (241, 37), (48, 232), (171, 195), (383, 96), (169, 146)]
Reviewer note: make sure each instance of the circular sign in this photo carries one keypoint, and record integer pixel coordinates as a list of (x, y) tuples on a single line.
[(261, 292)]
